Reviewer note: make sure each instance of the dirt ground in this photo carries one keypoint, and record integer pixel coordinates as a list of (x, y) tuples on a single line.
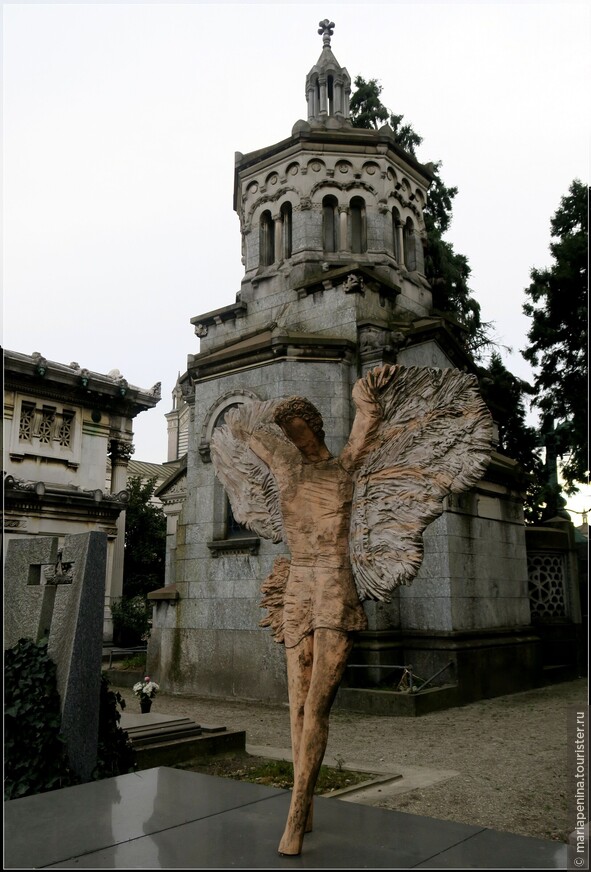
[(509, 753)]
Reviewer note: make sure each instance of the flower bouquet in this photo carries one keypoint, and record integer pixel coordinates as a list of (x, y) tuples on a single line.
[(146, 690)]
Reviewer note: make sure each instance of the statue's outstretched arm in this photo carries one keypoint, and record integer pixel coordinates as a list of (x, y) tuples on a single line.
[(366, 423), (273, 448)]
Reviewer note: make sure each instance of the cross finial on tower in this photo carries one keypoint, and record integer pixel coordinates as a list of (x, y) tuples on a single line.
[(325, 29)]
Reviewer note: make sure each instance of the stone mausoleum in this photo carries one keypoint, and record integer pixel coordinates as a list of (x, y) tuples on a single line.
[(333, 239), (63, 425)]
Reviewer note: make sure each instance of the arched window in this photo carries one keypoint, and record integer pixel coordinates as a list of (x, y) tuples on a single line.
[(266, 239), (225, 524), (330, 94), (330, 224), (358, 225), (410, 255), (286, 221), (396, 235)]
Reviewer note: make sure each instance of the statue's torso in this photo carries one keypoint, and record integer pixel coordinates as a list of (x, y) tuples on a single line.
[(316, 510)]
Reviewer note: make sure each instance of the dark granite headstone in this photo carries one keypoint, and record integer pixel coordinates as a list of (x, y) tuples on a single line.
[(59, 595)]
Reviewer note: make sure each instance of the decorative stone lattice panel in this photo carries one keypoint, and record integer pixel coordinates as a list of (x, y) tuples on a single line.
[(547, 583), (26, 422)]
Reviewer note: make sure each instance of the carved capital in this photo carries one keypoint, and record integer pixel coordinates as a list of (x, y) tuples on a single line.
[(120, 451)]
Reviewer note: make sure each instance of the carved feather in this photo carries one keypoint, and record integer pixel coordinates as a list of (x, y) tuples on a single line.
[(249, 483), (434, 438)]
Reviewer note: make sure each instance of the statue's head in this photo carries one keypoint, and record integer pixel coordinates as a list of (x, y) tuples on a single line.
[(300, 407)]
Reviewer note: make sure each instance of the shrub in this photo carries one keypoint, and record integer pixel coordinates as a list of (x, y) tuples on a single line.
[(115, 752), (35, 756), (131, 620)]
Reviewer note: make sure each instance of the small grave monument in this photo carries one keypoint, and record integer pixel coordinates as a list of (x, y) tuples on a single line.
[(58, 595)]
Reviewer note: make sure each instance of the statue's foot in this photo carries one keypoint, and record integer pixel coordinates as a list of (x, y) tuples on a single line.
[(291, 844)]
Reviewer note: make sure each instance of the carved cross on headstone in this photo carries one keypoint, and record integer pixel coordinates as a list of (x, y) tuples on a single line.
[(326, 30), (49, 576)]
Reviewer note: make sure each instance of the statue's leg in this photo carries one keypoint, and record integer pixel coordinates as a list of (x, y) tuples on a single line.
[(330, 653), (299, 673)]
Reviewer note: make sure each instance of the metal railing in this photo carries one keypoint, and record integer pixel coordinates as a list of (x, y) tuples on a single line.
[(139, 650), (409, 680)]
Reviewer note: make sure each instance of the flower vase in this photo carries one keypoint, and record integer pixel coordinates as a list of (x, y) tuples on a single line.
[(145, 705)]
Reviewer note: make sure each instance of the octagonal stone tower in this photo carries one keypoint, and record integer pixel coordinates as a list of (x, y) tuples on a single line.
[(332, 229)]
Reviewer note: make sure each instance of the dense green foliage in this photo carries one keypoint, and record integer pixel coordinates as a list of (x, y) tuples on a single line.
[(115, 751), (144, 561), (145, 540), (35, 755), (447, 271), (506, 396), (558, 334), (131, 620)]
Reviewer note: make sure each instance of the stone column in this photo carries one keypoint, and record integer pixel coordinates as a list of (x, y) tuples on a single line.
[(278, 226), (343, 227), (323, 96), (419, 257), (400, 236), (120, 453), (338, 98), (310, 101)]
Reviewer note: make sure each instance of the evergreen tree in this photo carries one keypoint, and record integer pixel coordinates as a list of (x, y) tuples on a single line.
[(558, 335), (447, 271), (507, 398), (145, 540), (365, 106)]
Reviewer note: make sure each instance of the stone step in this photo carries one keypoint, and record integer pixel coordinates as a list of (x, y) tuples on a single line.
[(164, 734), (154, 728), (172, 738), (172, 751)]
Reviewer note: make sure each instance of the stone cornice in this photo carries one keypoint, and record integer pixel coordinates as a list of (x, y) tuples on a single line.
[(202, 323), (239, 545), (367, 277), (169, 592), (36, 496), (271, 347), (344, 137), (72, 384), (441, 330)]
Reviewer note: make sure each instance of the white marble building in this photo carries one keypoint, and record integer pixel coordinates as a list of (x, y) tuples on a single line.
[(61, 425)]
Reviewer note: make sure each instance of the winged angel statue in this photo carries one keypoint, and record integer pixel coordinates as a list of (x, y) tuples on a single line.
[(353, 524)]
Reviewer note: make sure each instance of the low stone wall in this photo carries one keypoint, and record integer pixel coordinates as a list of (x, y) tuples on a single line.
[(394, 703)]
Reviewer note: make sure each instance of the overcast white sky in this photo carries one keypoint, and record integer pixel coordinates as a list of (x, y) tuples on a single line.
[(121, 122)]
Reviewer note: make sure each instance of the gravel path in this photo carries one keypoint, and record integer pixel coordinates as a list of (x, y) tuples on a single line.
[(509, 753)]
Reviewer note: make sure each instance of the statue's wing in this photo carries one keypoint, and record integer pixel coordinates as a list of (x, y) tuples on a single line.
[(434, 439), (249, 483)]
